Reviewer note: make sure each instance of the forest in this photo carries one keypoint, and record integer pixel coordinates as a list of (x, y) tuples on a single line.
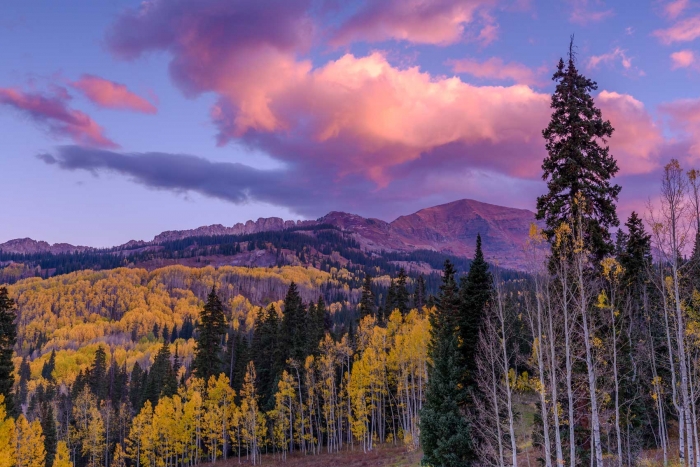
[(591, 358)]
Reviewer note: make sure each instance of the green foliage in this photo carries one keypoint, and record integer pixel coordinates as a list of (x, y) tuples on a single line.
[(8, 338), (211, 329), (444, 431), (476, 289), (578, 163)]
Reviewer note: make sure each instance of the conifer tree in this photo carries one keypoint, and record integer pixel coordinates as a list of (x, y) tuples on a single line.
[(293, 326), (98, 375), (402, 295), (475, 293), (48, 427), (135, 388), (419, 294), (49, 366), (636, 257), (444, 431), (8, 338), (367, 307), (211, 329), (579, 166), (391, 303), (265, 350)]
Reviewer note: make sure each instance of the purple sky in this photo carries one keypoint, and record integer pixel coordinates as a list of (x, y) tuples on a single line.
[(122, 119)]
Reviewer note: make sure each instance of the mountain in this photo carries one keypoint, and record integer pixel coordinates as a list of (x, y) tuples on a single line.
[(27, 246), (449, 229)]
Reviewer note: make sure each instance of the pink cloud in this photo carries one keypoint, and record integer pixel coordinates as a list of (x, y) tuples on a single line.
[(53, 113), (615, 55), (496, 68), (419, 21), (112, 95), (682, 59), (683, 31), (685, 118), (637, 140), (586, 11), (674, 8), (359, 121)]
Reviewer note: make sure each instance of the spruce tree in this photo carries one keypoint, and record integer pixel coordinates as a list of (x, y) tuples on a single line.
[(444, 431), (293, 327), (8, 338), (419, 294), (48, 427), (49, 366), (636, 257), (210, 331), (135, 388), (265, 350), (475, 293), (98, 375), (367, 307), (579, 166), (402, 295)]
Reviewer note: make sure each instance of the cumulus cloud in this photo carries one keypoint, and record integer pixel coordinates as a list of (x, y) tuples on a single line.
[(684, 116), (53, 113), (637, 140), (683, 31), (682, 59), (495, 68), (109, 94), (356, 129), (419, 21)]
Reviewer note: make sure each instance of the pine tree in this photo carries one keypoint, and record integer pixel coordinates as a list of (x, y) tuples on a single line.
[(48, 427), (390, 304), (8, 338), (367, 307), (636, 257), (98, 375), (293, 326), (475, 293), (419, 294), (135, 388), (210, 331), (316, 325), (25, 373), (49, 366), (402, 295), (578, 167), (266, 350), (444, 431)]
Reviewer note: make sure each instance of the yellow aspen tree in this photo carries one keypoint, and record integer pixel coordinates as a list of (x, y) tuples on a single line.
[(94, 439), (138, 443), (7, 434), (118, 458), (219, 403), (192, 420), (254, 426), (62, 458), (29, 444)]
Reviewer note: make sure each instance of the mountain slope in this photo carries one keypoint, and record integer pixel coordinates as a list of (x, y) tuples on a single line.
[(448, 228)]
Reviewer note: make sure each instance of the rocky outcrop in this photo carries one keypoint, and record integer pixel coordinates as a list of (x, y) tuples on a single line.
[(28, 246), (263, 224)]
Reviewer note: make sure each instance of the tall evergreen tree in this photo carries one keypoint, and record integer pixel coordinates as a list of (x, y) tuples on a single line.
[(265, 350), (293, 326), (475, 293), (444, 431), (367, 307), (98, 375), (48, 427), (135, 387), (210, 331), (8, 338), (579, 166), (419, 294), (49, 366), (316, 325), (402, 295), (390, 304), (636, 257)]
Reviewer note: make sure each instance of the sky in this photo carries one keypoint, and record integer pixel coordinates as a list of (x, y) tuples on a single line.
[(120, 119)]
